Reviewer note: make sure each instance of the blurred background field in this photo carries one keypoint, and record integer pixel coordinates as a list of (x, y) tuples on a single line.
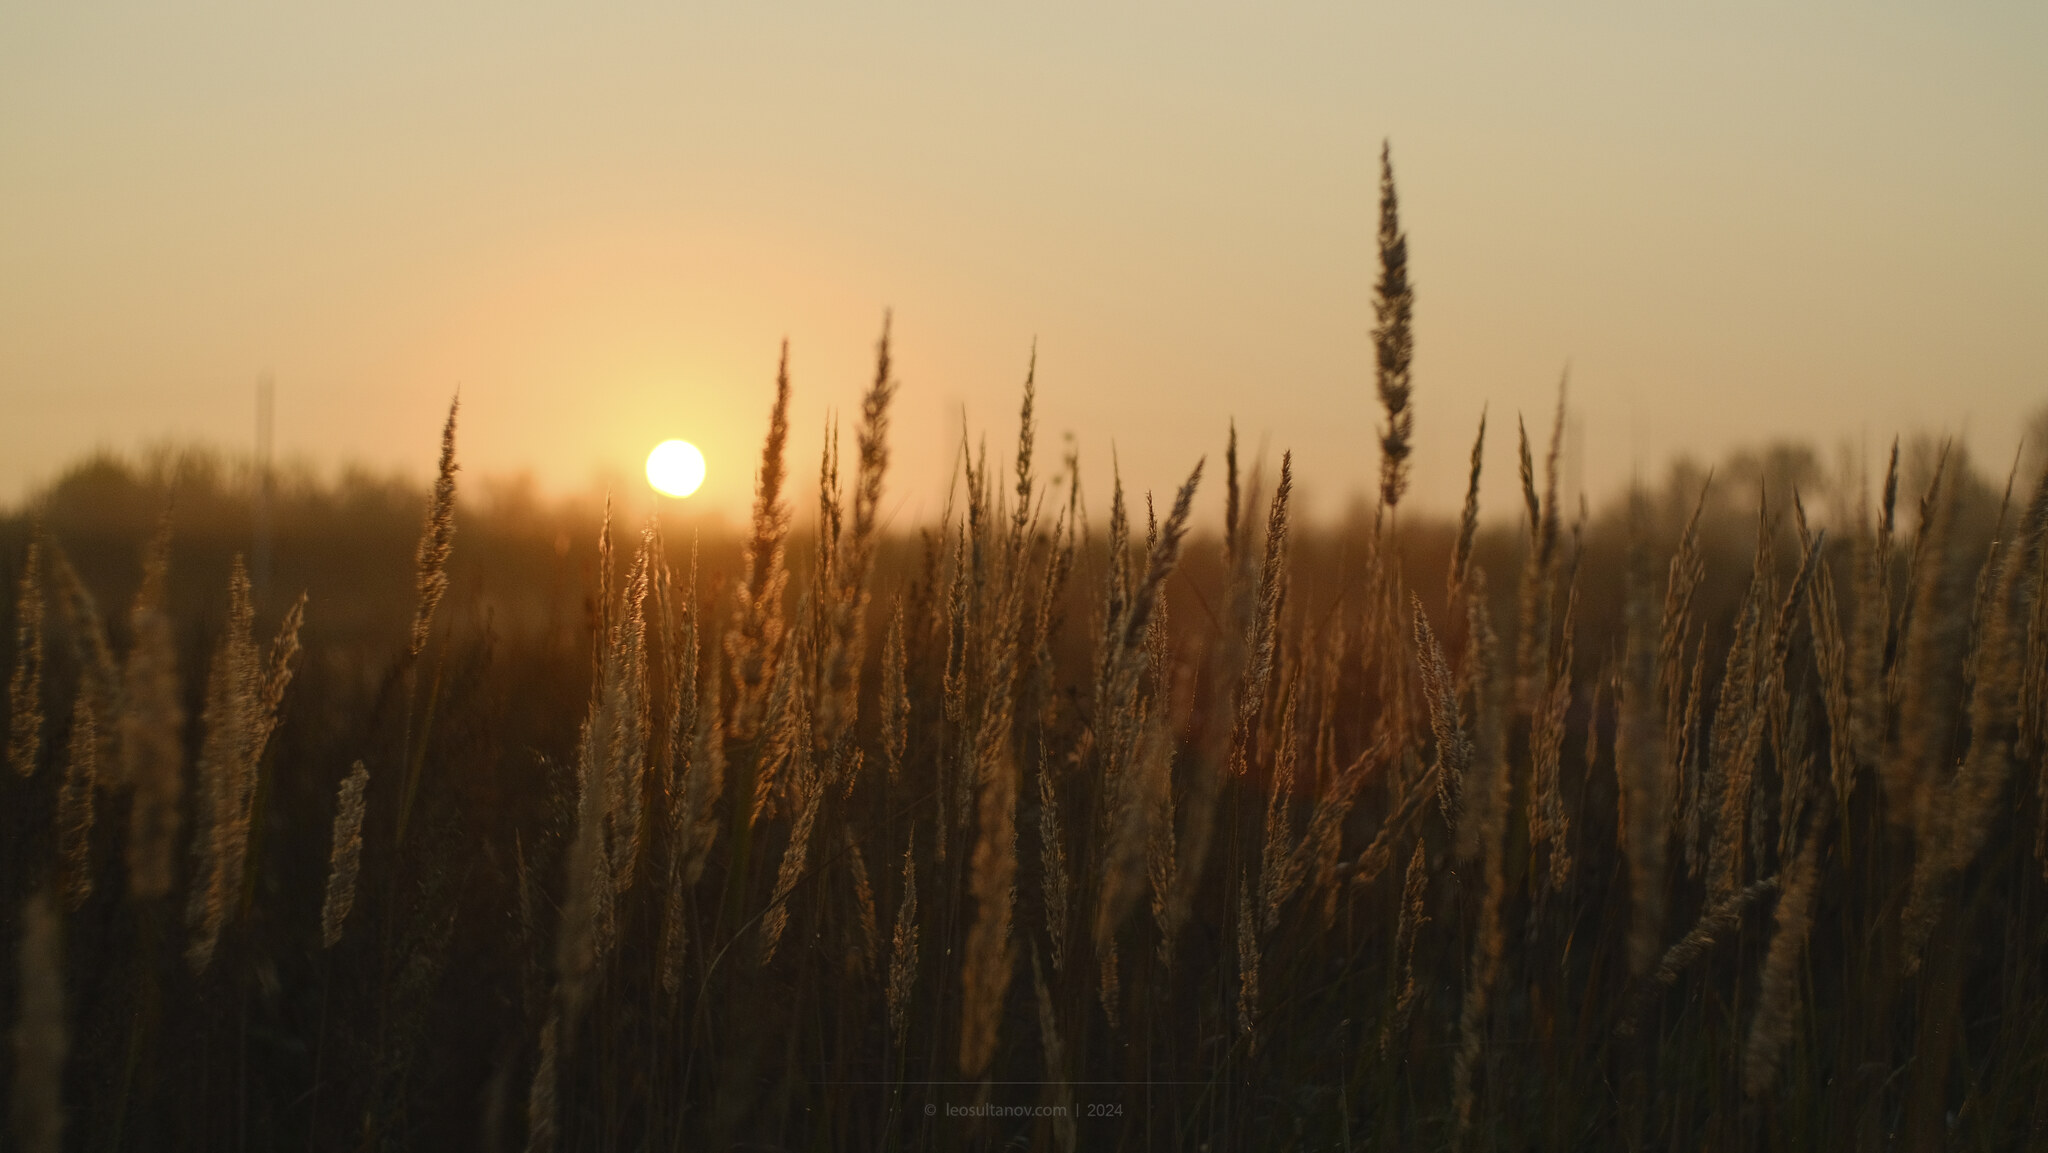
[(436, 1019)]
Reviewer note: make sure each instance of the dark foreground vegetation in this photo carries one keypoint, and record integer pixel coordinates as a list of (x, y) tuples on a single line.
[(1690, 825)]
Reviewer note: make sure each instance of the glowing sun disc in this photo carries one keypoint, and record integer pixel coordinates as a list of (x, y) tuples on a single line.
[(675, 468)]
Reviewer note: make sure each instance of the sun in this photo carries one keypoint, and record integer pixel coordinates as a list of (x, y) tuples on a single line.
[(675, 468)]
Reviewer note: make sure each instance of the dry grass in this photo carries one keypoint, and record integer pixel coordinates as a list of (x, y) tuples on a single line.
[(1741, 857)]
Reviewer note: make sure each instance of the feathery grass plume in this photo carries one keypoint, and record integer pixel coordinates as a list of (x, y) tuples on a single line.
[(950, 796), (1873, 639), (1113, 724), (1333, 647), (271, 680), (627, 734), (1718, 918), (344, 857), (1778, 986), (1738, 796), (1549, 824), (1933, 636), (226, 778), (1980, 602), (1414, 890), (1532, 503), (1485, 820), (673, 630), (1787, 727), (278, 671), (430, 562), (1957, 812), (1137, 751), (680, 760), (1726, 790), (1930, 542), (1247, 967), (1281, 863), (869, 942), (74, 800), (1692, 756), (895, 697), (694, 819), (753, 643), (583, 936), (1123, 662), (542, 1105), (1386, 628), (1159, 670), (1539, 572), (1116, 722), (1025, 510), (903, 952), (242, 697), (1479, 662), (675, 931), (807, 789), (1109, 986), (1640, 769), (151, 728), (1159, 870), (1052, 857), (82, 615), (777, 749), (1262, 642), (1453, 745), (1831, 659), (1116, 570), (100, 676), (990, 955), (1393, 338), (1379, 855), (989, 665), (831, 519), (989, 672), (1324, 840), (846, 632), (1339, 785), (1681, 584), (42, 1043), (1041, 698), (25, 689), (1468, 522), (1065, 1136), (437, 539), (607, 564)]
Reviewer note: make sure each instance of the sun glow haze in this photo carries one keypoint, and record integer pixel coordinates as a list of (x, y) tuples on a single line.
[(675, 468), (1737, 223)]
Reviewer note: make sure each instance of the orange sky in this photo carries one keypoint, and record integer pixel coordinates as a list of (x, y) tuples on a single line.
[(1734, 222)]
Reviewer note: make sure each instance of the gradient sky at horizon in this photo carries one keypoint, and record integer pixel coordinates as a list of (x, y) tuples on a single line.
[(1735, 223)]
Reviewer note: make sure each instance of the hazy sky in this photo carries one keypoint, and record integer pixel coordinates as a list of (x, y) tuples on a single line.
[(1733, 221)]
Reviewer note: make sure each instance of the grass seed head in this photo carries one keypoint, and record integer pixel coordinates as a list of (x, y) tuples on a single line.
[(437, 538), (345, 856), (25, 689)]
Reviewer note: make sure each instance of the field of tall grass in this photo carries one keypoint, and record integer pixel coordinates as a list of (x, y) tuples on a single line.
[(1690, 824)]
